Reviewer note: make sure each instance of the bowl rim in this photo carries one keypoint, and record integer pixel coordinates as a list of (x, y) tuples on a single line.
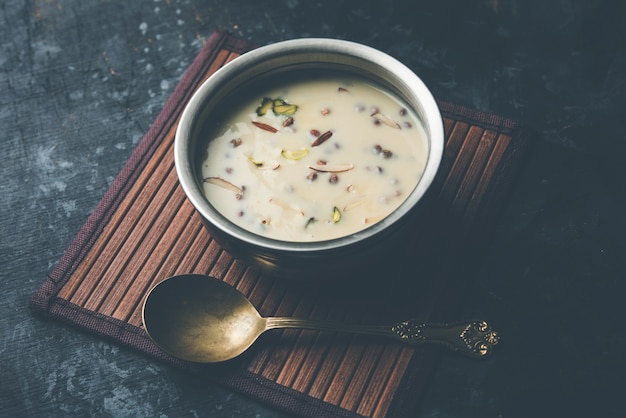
[(430, 115)]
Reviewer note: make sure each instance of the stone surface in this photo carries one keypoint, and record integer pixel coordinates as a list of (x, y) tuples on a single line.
[(81, 81)]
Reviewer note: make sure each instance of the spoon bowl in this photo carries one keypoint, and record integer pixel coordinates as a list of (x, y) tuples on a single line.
[(201, 319), (205, 320)]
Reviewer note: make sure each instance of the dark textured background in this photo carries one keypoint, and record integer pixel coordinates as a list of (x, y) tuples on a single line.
[(81, 81)]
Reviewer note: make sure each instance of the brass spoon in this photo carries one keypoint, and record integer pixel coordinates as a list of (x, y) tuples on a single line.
[(205, 320)]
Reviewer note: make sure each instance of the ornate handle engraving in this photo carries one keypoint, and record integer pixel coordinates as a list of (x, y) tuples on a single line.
[(473, 338)]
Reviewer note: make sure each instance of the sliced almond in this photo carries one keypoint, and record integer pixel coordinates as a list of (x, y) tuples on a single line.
[(386, 120), (269, 166), (285, 206), (264, 126), (218, 181), (332, 168), (373, 219), (354, 204)]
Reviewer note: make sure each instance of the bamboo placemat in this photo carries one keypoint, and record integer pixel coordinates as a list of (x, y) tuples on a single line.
[(144, 231)]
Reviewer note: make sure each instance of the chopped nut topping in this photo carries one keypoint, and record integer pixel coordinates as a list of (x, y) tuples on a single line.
[(373, 219), (329, 168), (354, 204), (322, 138), (218, 181), (294, 155), (336, 214), (285, 206), (264, 126), (386, 120)]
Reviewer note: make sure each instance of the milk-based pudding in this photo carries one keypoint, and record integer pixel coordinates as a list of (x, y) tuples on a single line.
[(313, 159)]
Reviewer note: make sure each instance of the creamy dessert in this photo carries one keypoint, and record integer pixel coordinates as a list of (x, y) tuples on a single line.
[(313, 159)]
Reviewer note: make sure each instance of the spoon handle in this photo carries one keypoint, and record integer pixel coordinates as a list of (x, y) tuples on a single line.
[(473, 338)]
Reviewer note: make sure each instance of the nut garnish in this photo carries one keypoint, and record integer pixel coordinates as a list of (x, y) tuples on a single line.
[(266, 104), (271, 166), (294, 155), (285, 206), (354, 204), (218, 181), (235, 142), (255, 162), (278, 106), (330, 168), (322, 138), (262, 166), (281, 107), (264, 126), (386, 120), (336, 214)]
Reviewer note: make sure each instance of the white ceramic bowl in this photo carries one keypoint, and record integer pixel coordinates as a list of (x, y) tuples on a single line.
[(307, 260)]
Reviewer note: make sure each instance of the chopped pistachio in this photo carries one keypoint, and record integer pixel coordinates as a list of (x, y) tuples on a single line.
[(336, 214), (266, 104), (280, 107), (294, 155), (255, 162)]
